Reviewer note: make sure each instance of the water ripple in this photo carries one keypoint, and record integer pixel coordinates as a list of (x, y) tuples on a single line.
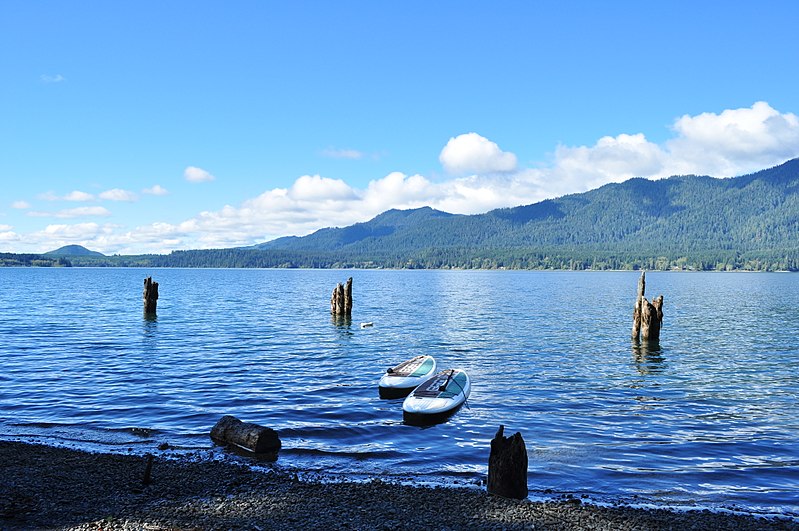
[(705, 417)]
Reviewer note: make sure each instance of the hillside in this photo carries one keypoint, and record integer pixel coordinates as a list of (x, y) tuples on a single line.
[(73, 250), (701, 222)]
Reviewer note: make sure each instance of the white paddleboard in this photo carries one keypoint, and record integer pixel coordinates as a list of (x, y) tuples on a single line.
[(437, 398), (401, 379)]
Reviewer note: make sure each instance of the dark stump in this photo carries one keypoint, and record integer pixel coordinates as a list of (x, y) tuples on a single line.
[(150, 296), (507, 466)]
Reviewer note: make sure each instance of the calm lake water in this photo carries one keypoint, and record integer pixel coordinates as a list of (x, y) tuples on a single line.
[(708, 418)]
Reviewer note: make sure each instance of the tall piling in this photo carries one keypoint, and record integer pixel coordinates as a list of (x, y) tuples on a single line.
[(341, 300), (647, 316), (150, 296)]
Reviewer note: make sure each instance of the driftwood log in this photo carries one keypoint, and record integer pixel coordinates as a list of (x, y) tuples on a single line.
[(507, 466), (150, 295), (647, 316), (251, 437), (341, 300)]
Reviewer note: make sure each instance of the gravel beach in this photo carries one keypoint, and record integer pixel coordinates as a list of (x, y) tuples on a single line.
[(43, 487)]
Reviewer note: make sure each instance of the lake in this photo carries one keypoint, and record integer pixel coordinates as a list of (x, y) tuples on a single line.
[(707, 418)]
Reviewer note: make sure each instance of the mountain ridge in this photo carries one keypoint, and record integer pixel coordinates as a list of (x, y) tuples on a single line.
[(754, 211)]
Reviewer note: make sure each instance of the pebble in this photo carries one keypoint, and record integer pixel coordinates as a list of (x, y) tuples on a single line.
[(54, 488)]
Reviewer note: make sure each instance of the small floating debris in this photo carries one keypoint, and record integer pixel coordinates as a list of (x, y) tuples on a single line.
[(367, 324)]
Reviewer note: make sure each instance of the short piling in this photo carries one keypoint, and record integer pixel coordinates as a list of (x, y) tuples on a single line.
[(507, 466)]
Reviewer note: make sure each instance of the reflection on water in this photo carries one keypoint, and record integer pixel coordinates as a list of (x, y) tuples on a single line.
[(648, 356), (342, 323), (149, 333)]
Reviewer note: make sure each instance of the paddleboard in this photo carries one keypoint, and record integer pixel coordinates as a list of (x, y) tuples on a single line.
[(400, 380), (437, 398)]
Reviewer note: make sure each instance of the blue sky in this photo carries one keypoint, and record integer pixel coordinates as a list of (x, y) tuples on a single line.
[(152, 126)]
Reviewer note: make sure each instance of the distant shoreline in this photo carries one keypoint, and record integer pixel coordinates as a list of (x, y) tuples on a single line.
[(44, 487), (363, 268)]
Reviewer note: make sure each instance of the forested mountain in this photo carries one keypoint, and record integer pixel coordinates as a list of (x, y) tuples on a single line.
[(685, 222), (749, 222)]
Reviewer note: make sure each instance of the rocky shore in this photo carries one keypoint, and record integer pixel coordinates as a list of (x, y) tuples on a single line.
[(42, 487)]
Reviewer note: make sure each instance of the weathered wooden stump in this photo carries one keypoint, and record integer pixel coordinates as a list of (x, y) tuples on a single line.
[(341, 300), (246, 435), (647, 316), (150, 295), (148, 470), (507, 466)]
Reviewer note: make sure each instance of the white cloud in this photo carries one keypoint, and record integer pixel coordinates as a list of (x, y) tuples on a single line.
[(472, 153), (117, 194), (20, 205), (78, 196), (316, 188), (733, 142), (611, 159), (47, 78), (155, 190), (5, 228), (402, 190), (75, 195), (334, 153), (55, 236), (95, 211), (194, 174), (9, 236)]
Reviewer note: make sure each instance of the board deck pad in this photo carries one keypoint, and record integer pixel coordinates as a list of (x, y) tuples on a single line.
[(413, 367), (432, 387)]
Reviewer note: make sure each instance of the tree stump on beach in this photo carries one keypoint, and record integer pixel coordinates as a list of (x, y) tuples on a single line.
[(341, 300), (251, 437), (507, 466), (647, 316), (150, 295)]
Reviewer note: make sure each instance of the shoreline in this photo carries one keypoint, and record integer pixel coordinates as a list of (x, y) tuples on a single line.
[(47, 487)]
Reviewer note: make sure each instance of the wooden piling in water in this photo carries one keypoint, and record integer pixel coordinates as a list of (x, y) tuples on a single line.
[(150, 296), (341, 300), (507, 466), (647, 316)]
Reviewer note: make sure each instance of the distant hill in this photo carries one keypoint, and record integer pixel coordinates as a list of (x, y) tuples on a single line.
[(73, 250)]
